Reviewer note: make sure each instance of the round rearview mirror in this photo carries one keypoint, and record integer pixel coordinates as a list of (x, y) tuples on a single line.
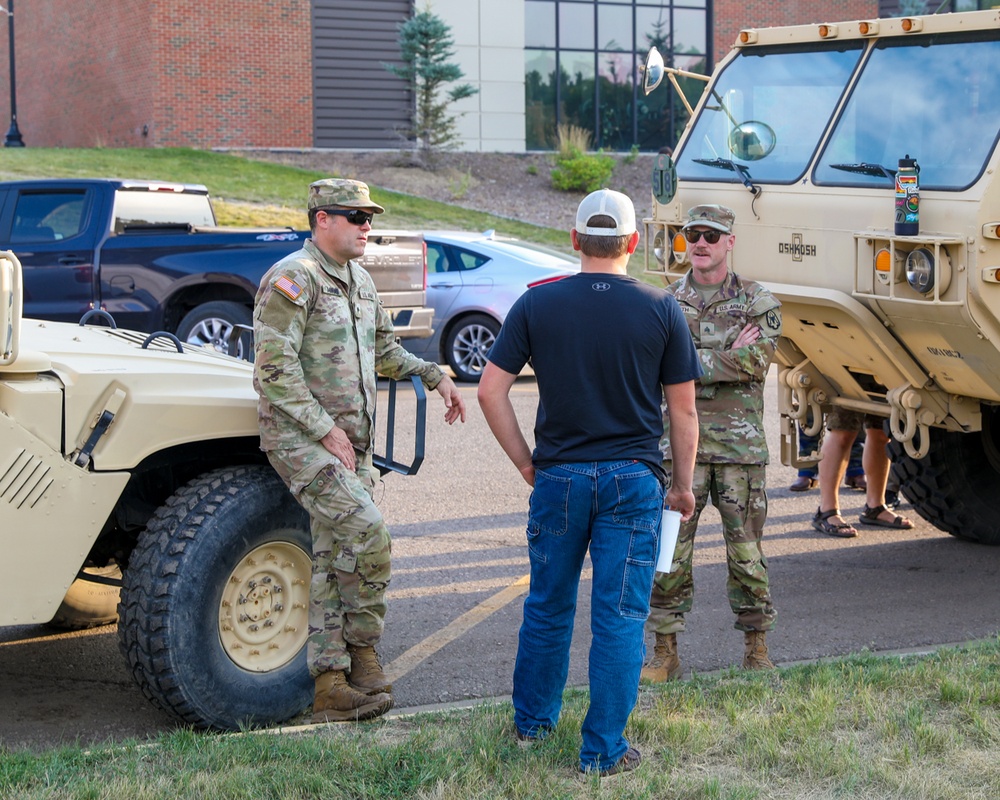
[(652, 71), (751, 141)]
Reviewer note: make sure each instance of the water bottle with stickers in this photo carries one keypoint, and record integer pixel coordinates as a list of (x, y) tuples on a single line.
[(907, 197)]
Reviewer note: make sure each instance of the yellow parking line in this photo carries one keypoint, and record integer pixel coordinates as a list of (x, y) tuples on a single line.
[(450, 632)]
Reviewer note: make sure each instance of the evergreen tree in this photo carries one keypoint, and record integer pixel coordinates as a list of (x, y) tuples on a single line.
[(426, 46)]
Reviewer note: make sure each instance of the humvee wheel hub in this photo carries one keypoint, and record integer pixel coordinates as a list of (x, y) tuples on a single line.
[(264, 611)]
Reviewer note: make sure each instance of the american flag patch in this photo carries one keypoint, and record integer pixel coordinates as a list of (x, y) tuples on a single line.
[(288, 287)]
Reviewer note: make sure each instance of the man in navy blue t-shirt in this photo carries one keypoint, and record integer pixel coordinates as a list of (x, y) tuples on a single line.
[(606, 349)]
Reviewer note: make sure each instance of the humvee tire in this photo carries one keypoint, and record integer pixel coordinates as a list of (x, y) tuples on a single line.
[(955, 485), (213, 618), (88, 604)]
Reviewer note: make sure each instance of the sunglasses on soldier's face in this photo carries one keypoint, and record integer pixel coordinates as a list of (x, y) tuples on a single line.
[(354, 215), (712, 237)]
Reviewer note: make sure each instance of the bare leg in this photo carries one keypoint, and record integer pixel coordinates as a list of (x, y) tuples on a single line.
[(876, 462), (832, 465)]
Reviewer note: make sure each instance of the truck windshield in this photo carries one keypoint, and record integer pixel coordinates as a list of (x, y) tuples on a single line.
[(143, 208), (936, 99), (766, 113)]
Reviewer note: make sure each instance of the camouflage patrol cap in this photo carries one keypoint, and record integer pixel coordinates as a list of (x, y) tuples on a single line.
[(341, 192), (711, 216)]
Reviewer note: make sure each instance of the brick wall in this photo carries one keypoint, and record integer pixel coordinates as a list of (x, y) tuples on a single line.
[(731, 16), (118, 73)]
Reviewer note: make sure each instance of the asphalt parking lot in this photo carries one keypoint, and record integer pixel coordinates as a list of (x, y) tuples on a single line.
[(460, 575)]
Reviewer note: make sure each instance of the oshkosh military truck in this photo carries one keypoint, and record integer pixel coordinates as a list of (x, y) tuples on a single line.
[(133, 459), (801, 131)]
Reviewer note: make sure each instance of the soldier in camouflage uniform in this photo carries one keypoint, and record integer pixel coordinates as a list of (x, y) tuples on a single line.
[(735, 324), (321, 335)]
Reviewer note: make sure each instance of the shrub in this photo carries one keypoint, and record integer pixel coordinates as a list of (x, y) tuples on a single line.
[(582, 172)]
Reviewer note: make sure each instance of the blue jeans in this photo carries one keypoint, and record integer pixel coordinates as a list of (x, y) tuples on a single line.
[(613, 508)]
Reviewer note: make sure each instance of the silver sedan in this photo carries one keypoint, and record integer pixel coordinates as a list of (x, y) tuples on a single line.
[(472, 281)]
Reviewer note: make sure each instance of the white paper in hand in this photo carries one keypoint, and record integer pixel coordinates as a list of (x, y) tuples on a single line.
[(669, 528)]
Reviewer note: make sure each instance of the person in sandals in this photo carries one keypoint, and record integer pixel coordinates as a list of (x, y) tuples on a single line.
[(842, 429), (735, 324)]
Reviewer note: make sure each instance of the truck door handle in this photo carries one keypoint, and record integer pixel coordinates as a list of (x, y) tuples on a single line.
[(443, 285), (72, 261)]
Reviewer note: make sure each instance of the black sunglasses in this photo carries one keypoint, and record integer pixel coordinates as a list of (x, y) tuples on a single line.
[(710, 236), (354, 215)]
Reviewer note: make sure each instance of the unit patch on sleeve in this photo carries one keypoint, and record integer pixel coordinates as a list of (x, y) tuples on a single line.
[(288, 288)]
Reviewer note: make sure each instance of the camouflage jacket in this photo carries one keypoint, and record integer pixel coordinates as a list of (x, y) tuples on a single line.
[(320, 335), (730, 395)]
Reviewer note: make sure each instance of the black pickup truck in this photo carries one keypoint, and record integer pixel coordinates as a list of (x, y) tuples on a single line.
[(150, 254)]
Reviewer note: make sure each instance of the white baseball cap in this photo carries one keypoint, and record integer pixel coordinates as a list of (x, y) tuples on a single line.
[(610, 203)]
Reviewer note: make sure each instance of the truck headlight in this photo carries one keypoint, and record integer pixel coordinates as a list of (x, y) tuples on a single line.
[(660, 246), (920, 270)]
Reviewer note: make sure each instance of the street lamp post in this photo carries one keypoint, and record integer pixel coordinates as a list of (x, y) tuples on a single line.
[(13, 138)]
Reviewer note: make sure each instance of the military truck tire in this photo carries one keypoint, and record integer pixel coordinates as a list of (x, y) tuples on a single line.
[(88, 604), (467, 344), (955, 485), (211, 323), (213, 618)]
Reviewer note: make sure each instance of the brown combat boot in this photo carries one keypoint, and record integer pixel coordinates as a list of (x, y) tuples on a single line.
[(338, 701), (755, 656), (664, 665), (366, 672)]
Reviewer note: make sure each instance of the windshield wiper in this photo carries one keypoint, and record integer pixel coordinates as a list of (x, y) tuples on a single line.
[(864, 168), (732, 166)]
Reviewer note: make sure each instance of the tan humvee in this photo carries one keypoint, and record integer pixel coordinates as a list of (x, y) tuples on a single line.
[(800, 130), (124, 453)]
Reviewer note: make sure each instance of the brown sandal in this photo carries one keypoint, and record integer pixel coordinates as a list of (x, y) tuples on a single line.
[(870, 516), (821, 522)]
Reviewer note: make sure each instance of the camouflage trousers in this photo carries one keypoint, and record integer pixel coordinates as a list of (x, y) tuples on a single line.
[(737, 491), (351, 549)]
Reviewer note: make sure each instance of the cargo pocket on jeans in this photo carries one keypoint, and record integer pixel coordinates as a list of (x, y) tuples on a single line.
[(637, 580)]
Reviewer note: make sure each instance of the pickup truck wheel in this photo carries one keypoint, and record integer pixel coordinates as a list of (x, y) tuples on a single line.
[(467, 344), (214, 607), (211, 324), (954, 487), (88, 604)]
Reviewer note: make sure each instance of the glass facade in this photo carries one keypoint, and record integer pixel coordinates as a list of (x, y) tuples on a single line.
[(582, 59)]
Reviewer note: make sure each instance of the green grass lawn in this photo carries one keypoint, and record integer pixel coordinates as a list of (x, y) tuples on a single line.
[(913, 728)]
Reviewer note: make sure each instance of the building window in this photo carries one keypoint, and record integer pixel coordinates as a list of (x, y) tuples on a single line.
[(581, 63)]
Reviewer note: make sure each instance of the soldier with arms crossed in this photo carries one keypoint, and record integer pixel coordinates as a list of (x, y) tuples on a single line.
[(735, 324)]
